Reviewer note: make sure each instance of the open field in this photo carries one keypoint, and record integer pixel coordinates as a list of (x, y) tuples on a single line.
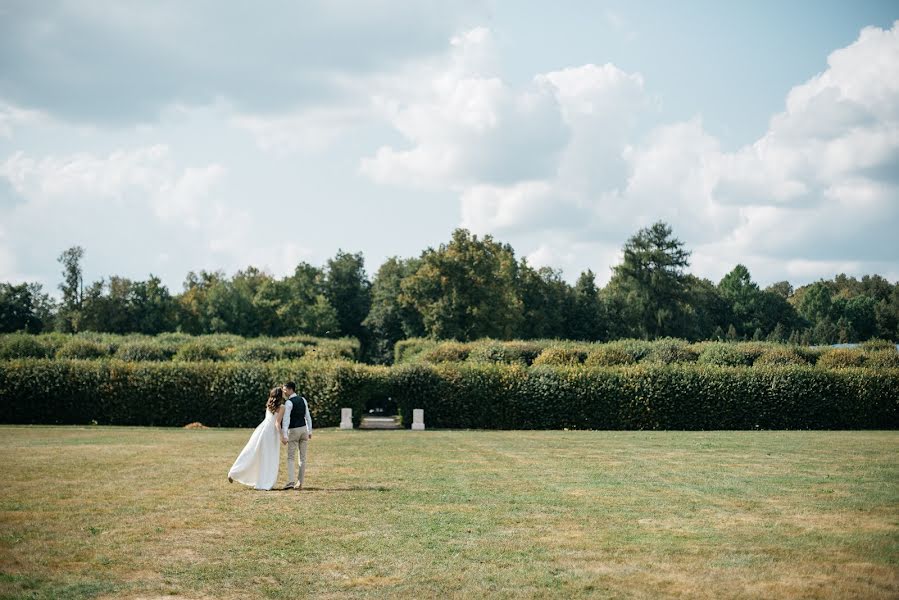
[(113, 512)]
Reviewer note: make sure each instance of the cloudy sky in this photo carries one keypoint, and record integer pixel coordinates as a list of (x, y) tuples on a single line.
[(171, 136)]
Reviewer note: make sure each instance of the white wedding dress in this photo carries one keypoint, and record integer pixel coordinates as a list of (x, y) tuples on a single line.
[(257, 464)]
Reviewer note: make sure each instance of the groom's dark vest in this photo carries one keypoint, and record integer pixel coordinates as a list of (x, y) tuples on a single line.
[(298, 413)]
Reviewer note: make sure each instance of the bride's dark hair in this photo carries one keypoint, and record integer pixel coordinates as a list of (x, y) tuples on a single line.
[(275, 399)]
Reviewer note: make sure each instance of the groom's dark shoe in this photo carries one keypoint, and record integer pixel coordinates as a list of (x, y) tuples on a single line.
[(289, 486), (230, 480)]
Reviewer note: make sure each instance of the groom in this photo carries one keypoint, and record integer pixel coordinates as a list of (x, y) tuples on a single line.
[(296, 427)]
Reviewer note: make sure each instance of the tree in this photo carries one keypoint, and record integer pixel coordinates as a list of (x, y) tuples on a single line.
[(390, 319), (751, 309), (859, 314), (71, 288), (546, 302), (772, 309), (781, 288), (466, 289), (246, 315), (651, 281), (154, 307), (778, 334), (887, 316), (96, 312), (743, 297), (304, 307), (825, 332), (586, 321), (348, 290), (24, 307), (16, 312), (193, 311), (707, 313), (814, 303)]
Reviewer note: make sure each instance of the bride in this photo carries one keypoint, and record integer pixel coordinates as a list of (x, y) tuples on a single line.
[(257, 464)]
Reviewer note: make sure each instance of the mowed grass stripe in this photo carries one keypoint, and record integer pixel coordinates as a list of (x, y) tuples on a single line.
[(111, 512)]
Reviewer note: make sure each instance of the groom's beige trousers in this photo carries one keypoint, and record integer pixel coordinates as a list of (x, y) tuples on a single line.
[(297, 439)]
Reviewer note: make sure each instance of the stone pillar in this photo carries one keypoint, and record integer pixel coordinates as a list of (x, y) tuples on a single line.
[(418, 419), (346, 418)]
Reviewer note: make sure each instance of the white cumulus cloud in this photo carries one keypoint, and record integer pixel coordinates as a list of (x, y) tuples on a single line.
[(464, 125), (817, 190)]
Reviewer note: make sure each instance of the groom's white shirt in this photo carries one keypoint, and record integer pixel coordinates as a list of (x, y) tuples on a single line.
[(285, 420)]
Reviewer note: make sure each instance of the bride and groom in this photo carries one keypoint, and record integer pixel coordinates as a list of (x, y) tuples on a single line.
[(288, 422)]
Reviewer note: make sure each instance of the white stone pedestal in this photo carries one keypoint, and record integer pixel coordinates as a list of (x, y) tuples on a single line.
[(346, 418), (418, 419)]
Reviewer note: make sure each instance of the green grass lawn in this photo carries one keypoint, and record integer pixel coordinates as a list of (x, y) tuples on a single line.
[(148, 513)]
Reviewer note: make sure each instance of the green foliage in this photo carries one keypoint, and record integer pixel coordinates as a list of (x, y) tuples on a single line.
[(815, 303), (882, 359), (69, 315), (561, 355), (25, 307), (223, 394), (724, 355), (390, 319), (458, 395), (650, 285), (608, 355), (255, 303), (586, 318), (139, 351), (466, 289), (874, 345), (330, 352), (780, 357), (647, 397), (348, 290), (411, 350), (198, 351), (23, 345), (754, 350), (83, 348), (670, 351), (515, 352), (743, 296), (520, 352), (638, 349), (841, 358), (256, 352), (447, 352), (180, 346), (809, 354), (620, 352), (547, 302), (293, 350), (119, 305)]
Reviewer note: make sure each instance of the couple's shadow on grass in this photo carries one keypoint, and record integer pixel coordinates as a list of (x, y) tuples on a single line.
[(350, 488)]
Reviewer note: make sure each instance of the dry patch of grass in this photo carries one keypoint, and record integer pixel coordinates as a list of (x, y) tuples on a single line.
[(95, 512)]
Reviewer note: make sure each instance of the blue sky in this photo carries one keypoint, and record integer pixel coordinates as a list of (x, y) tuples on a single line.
[(730, 62), (170, 137)]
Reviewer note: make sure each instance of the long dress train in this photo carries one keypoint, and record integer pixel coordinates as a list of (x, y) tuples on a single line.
[(257, 464)]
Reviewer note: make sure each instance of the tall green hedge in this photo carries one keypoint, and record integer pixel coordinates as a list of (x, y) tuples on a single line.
[(454, 395), (221, 394), (647, 397)]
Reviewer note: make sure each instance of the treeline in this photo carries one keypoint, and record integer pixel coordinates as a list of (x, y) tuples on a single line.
[(467, 289)]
